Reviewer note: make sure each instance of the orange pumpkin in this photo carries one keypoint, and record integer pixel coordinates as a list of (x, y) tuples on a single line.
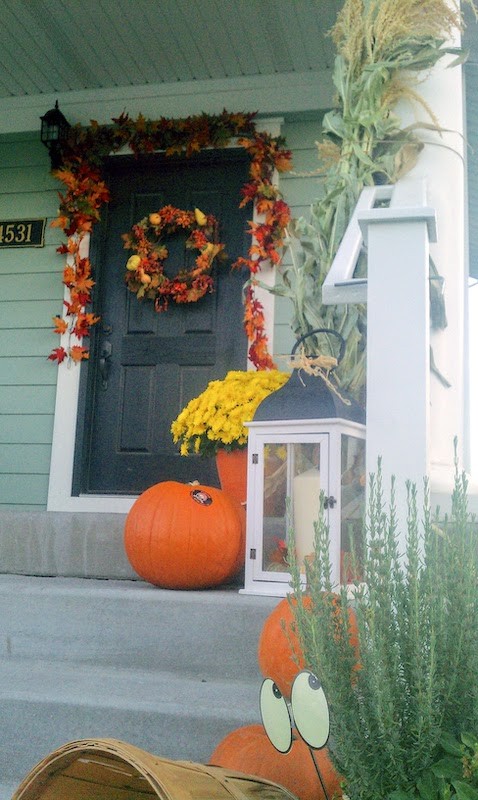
[(249, 750), (279, 653), (183, 536)]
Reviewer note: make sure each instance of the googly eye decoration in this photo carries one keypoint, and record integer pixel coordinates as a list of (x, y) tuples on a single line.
[(310, 709), (275, 716), (308, 712)]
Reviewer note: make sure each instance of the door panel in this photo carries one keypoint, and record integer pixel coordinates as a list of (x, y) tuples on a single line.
[(159, 361)]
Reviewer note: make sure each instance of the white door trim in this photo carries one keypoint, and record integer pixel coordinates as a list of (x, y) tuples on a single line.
[(60, 496)]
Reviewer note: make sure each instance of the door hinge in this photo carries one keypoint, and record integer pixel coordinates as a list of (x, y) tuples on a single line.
[(255, 458), (329, 502), (252, 553)]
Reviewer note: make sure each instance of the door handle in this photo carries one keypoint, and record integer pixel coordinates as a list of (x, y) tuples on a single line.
[(104, 363)]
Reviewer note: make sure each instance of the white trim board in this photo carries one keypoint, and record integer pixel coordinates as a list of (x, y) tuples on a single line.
[(279, 93)]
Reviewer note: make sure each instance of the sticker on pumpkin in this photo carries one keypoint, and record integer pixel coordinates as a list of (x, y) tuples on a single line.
[(201, 497)]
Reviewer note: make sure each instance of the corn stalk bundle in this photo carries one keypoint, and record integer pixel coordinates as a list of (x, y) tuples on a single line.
[(384, 48)]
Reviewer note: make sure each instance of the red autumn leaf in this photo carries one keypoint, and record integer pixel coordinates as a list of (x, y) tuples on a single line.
[(58, 354), (83, 324), (78, 300), (83, 267)]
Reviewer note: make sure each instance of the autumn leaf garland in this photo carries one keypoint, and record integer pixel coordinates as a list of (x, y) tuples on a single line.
[(79, 210), (86, 192)]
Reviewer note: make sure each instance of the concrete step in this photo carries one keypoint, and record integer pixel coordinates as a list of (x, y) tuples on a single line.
[(6, 790), (132, 624), (47, 704), (171, 672)]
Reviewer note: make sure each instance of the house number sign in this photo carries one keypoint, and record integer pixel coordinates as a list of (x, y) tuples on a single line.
[(22, 232)]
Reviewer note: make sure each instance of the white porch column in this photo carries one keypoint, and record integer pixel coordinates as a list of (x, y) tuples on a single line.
[(442, 165), (398, 361)]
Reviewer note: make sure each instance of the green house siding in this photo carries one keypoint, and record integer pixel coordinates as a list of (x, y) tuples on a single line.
[(30, 294), (300, 188)]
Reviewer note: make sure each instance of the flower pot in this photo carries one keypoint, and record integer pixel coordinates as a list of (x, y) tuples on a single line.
[(232, 470)]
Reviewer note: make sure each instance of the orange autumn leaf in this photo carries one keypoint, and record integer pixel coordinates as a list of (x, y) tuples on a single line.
[(66, 176), (78, 353), (264, 204), (75, 305), (84, 284), (255, 171), (61, 325), (140, 123), (283, 162), (72, 245), (84, 224), (69, 276), (60, 222)]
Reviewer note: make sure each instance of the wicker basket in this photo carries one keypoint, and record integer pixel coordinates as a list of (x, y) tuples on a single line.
[(108, 769)]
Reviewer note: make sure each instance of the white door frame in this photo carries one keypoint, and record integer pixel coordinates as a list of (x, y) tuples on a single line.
[(60, 496)]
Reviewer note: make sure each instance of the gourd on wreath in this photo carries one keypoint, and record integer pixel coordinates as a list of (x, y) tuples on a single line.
[(184, 536), (279, 652), (145, 274), (249, 750)]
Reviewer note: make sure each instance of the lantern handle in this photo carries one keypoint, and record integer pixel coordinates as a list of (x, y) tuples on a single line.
[(322, 330)]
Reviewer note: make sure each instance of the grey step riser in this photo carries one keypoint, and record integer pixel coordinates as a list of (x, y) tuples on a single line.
[(209, 634), (29, 731), (61, 543)]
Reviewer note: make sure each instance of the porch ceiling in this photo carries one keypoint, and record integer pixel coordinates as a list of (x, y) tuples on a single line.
[(57, 46)]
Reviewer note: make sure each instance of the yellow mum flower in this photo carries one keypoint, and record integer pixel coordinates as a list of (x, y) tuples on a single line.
[(216, 417)]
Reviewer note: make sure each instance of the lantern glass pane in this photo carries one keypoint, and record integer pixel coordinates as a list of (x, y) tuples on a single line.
[(352, 505), (291, 472), (53, 133)]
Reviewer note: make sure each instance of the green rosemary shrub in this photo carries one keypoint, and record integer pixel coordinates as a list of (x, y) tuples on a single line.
[(453, 777), (415, 676)]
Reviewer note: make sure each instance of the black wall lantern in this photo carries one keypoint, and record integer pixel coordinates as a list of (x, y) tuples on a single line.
[(54, 131)]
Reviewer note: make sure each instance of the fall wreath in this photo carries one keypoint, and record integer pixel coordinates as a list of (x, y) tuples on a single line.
[(145, 275)]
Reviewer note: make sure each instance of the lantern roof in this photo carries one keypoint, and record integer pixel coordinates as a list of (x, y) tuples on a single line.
[(307, 396)]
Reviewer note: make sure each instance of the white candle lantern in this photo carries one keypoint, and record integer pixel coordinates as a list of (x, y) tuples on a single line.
[(305, 438)]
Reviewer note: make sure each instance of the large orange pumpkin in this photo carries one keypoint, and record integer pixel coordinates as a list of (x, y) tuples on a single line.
[(183, 536), (249, 750), (279, 653)]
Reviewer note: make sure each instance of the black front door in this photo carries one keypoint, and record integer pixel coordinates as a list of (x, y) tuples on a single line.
[(145, 366)]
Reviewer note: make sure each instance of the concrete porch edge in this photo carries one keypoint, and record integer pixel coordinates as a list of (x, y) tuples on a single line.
[(50, 543)]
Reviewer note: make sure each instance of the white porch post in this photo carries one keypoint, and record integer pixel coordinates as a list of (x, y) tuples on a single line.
[(442, 166), (398, 337)]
